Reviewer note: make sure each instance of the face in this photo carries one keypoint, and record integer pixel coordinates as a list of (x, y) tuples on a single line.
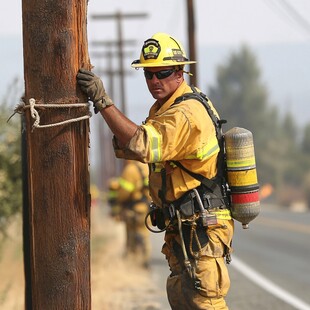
[(162, 89)]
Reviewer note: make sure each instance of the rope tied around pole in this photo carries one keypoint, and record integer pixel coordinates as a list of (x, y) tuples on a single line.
[(21, 107)]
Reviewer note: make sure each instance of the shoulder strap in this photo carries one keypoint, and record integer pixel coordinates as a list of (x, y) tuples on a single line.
[(202, 98), (199, 96), (210, 184)]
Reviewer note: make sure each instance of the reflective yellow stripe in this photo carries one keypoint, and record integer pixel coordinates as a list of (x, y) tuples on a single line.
[(112, 194), (155, 142), (207, 151), (146, 181), (128, 186), (158, 167), (222, 214), (173, 165), (241, 163)]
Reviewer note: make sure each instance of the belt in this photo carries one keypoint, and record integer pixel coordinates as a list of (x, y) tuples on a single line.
[(169, 212), (188, 205)]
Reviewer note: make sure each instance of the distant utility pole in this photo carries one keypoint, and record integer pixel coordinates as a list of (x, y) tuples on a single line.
[(191, 39), (106, 171), (109, 71), (119, 18), (56, 210), (105, 136)]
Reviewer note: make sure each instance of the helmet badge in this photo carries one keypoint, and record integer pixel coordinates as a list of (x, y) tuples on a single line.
[(151, 49)]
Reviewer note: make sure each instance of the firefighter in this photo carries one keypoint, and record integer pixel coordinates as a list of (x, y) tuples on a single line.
[(175, 131), (133, 197), (113, 187)]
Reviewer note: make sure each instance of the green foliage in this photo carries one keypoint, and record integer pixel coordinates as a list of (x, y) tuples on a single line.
[(10, 166), (239, 92), (305, 144), (305, 162), (242, 99)]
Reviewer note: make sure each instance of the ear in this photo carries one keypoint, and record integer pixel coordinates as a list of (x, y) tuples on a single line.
[(179, 75)]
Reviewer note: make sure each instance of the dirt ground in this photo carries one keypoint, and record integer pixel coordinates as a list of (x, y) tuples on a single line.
[(116, 283)]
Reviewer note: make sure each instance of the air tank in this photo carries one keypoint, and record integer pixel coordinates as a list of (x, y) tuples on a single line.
[(241, 175)]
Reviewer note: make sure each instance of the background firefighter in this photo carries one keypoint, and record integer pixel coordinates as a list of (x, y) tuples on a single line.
[(133, 197), (176, 133), (115, 207)]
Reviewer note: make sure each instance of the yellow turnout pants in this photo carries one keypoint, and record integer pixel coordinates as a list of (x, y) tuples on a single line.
[(210, 270)]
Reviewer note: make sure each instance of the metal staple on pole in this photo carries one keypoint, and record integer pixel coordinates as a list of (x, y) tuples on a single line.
[(35, 115)]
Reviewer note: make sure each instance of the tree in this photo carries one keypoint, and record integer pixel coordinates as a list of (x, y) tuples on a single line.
[(293, 170), (305, 163), (10, 169), (305, 144), (10, 161), (239, 94), (242, 99)]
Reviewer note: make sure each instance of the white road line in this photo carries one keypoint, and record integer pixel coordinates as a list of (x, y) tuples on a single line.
[(267, 285)]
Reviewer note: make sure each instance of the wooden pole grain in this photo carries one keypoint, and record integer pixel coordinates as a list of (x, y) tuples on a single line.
[(56, 160)]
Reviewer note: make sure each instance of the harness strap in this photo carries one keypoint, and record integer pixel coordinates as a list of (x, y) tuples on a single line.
[(215, 184), (162, 192), (210, 184)]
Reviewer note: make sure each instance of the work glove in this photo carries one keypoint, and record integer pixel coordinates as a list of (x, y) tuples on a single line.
[(93, 87)]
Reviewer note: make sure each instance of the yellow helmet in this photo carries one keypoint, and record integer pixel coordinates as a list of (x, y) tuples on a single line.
[(161, 50)]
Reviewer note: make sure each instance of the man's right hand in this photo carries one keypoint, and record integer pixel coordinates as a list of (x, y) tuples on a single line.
[(92, 85)]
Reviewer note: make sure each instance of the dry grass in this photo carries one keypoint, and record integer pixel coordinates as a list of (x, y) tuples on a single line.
[(117, 283), (11, 269)]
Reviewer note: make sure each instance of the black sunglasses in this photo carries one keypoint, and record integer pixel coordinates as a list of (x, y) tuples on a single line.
[(159, 74)]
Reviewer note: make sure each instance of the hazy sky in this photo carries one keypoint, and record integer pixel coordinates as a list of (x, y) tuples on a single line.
[(224, 23), (218, 22)]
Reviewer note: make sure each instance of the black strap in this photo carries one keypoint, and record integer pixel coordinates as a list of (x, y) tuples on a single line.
[(162, 192), (202, 98), (210, 184)]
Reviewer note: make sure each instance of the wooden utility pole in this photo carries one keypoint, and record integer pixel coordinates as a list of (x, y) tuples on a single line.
[(56, 177), (191, 39)]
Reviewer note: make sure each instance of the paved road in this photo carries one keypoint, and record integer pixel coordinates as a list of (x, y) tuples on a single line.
[(270, 268)]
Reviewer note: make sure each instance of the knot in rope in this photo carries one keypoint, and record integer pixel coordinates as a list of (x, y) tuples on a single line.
[(21, 107), (34, 113)]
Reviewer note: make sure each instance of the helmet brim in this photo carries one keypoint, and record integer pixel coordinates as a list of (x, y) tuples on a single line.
[(138, 64)]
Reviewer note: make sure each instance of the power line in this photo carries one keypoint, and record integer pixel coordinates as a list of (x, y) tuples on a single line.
[(289, 14), (296, 16), (277, 10)]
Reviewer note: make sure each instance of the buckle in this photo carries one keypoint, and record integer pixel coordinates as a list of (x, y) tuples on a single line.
[(207, 201), (171, 210)]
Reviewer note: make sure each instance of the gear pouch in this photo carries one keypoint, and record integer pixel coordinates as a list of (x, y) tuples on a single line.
[(187, 209), (186, 205), (160, 219)]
